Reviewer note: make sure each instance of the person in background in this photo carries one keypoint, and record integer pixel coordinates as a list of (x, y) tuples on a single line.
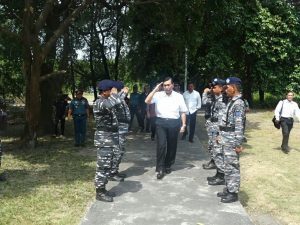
[(152, 117), (284, 113), (171, 112), (143, 109), (79, 109), (60, 109), (193, 102), (134, 107)]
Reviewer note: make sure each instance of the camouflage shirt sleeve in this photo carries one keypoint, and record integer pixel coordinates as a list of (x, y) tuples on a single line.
[(239, 117)]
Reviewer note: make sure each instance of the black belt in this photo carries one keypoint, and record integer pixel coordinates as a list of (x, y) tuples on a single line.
[(227, 129), (79, 115), (287, 118), (213, 119)]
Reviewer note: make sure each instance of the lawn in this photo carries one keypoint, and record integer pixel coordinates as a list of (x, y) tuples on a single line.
[(270, 178)]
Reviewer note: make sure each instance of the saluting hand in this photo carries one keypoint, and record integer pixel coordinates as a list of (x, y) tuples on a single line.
[(114, 90), (125, 90), (157, 88)]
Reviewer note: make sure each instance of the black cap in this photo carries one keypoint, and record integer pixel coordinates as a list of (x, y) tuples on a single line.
[(217, 81), (233, 80)]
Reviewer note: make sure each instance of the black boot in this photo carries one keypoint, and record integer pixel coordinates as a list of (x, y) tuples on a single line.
[(102, 195), (213, 177), (115, 177), (223, 193), (230, 197), (209, 165), (218, 181)]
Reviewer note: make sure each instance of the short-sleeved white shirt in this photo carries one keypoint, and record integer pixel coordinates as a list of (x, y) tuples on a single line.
[(169, 106)]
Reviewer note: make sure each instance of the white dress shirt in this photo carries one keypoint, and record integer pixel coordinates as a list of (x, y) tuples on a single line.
[(289, 109), (169, 106), (192, 100)]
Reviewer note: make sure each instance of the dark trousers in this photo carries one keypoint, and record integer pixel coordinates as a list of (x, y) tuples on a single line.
[(80, 129), (134, 111), (191, 123), (153, 126), (62, 126), (286, 127), (167, 133)]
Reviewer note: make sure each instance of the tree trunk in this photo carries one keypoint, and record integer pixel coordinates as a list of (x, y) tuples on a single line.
[(261, 96)]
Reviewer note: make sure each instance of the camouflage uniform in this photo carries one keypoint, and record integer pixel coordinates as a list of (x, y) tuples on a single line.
[(217, 111), (123, 116), (106, 137), (231, 132), (207, 100)]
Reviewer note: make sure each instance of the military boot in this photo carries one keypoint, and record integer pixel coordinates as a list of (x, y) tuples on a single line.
[(230, 197), (102, 195), (218, 181), (209, 165), (213, 177), (223, 193)]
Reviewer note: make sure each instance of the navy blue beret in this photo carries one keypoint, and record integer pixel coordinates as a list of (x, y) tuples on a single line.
[(105, 85), (218, 81), (118, 84), (233, 80)]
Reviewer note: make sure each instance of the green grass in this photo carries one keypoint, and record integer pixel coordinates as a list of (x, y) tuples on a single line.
[(270, 179), (52, 184)]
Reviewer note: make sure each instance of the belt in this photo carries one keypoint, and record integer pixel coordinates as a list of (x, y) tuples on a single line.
[(213, 119), (287, 118), (227, 129), (167, 118), (79, 115)]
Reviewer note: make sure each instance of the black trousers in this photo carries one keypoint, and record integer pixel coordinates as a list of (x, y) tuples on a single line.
[(167, 131), (286, 127), (153, 126), (191, 122)]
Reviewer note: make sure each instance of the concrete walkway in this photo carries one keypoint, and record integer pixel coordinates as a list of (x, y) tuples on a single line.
[(181, 198)]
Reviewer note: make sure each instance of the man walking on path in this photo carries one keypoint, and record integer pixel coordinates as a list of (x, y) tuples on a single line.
[(284, 113), (169, 107), (231, 137), (79, 109), (193, 102)]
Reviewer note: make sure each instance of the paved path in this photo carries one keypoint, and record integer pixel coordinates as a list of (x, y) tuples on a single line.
[(181, 198)]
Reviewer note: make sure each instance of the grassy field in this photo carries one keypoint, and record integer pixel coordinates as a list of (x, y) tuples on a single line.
[(54, 183), (270, 178)]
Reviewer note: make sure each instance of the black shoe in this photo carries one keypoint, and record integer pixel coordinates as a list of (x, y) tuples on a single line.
[(168, 170), (230, 197), (102, 195), (191, 141), (152, 138), (160, 175), (217, 181), (122, 175), (213, 177), (110, 193), (210, 165), (116, 178), (223, 193)]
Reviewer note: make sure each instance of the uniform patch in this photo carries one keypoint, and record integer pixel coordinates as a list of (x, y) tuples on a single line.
[(238, 113)]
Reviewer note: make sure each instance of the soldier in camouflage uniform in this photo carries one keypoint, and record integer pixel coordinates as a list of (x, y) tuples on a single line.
[(123, 116), (106, 136), (207, 100), (231, 137), (217, 111)]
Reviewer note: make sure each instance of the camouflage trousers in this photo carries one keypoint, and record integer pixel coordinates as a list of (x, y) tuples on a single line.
[(210, 138), (217, 152), (231, 168), (104, 165)]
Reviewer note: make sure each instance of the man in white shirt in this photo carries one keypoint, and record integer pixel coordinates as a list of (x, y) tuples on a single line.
[(193, 102), (284, 113), (170, 108)]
